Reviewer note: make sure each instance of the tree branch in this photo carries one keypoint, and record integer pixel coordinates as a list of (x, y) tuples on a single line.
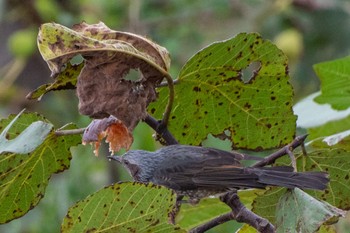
[(161, 129), (299, 140), (239, 213)]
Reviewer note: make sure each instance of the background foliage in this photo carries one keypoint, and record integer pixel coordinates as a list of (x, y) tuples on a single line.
[(308, 34)]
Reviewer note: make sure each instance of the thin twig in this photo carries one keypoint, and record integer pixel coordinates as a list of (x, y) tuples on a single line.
[(169, 106), (69, 132), (292, 158), (299, 140), (161, 129)]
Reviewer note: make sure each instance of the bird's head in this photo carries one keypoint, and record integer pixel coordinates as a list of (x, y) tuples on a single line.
[(140, 164)]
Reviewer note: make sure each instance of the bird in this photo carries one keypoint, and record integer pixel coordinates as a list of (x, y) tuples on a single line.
[(198, 172)]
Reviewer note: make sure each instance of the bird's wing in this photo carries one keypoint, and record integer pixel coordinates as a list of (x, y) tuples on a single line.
[(198, 167)]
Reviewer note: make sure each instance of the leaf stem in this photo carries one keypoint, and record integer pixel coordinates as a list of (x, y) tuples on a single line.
[(169, 106), (69, 132)]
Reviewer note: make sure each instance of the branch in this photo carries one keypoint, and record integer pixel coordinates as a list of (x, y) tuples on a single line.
[(161, 129), (299, 140), (69, 132), (239, 213)]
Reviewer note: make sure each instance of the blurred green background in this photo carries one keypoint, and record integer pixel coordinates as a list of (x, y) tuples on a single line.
[(308, 31)]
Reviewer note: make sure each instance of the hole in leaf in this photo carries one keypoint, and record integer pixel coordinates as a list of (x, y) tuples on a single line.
[(76, 60), (251, 71), (216, 142), (133, 75)]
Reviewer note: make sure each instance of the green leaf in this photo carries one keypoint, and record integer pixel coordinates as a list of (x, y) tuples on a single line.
[(334, 161), (212, 96), (330, 128), (27, 140), (335, 76), (193, 215), (246, 229), (123, 207), (300, 212), (311, 114), (67, 79), (24, 177), (339, 140)]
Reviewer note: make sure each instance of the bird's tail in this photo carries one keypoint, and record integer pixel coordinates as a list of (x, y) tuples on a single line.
[(285, 177)]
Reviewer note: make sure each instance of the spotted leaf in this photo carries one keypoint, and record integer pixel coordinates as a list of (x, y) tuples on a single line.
[(237, 89), (123, 207), (24, 177)]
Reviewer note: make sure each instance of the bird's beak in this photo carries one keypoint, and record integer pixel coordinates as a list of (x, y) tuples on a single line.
[(116, 158)]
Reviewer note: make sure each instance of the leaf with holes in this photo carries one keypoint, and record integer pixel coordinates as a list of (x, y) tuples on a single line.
[(102, 87), (66, 80), (123, 207), (300, 212), (218, 93), (334, 77), (24, 177)]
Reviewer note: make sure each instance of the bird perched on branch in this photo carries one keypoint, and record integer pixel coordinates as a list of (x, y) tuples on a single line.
[(198, 172)]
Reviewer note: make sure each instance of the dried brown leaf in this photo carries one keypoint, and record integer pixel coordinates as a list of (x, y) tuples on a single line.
[(115, 132), (109, 56)]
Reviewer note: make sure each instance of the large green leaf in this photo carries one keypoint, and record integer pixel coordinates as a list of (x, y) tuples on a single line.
[(27, 140), (335, 76), (123, 207), (215, 95), (24, 177)]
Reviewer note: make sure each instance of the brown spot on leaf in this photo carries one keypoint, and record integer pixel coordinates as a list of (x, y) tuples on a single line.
[(196, 89), (247, 105)]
